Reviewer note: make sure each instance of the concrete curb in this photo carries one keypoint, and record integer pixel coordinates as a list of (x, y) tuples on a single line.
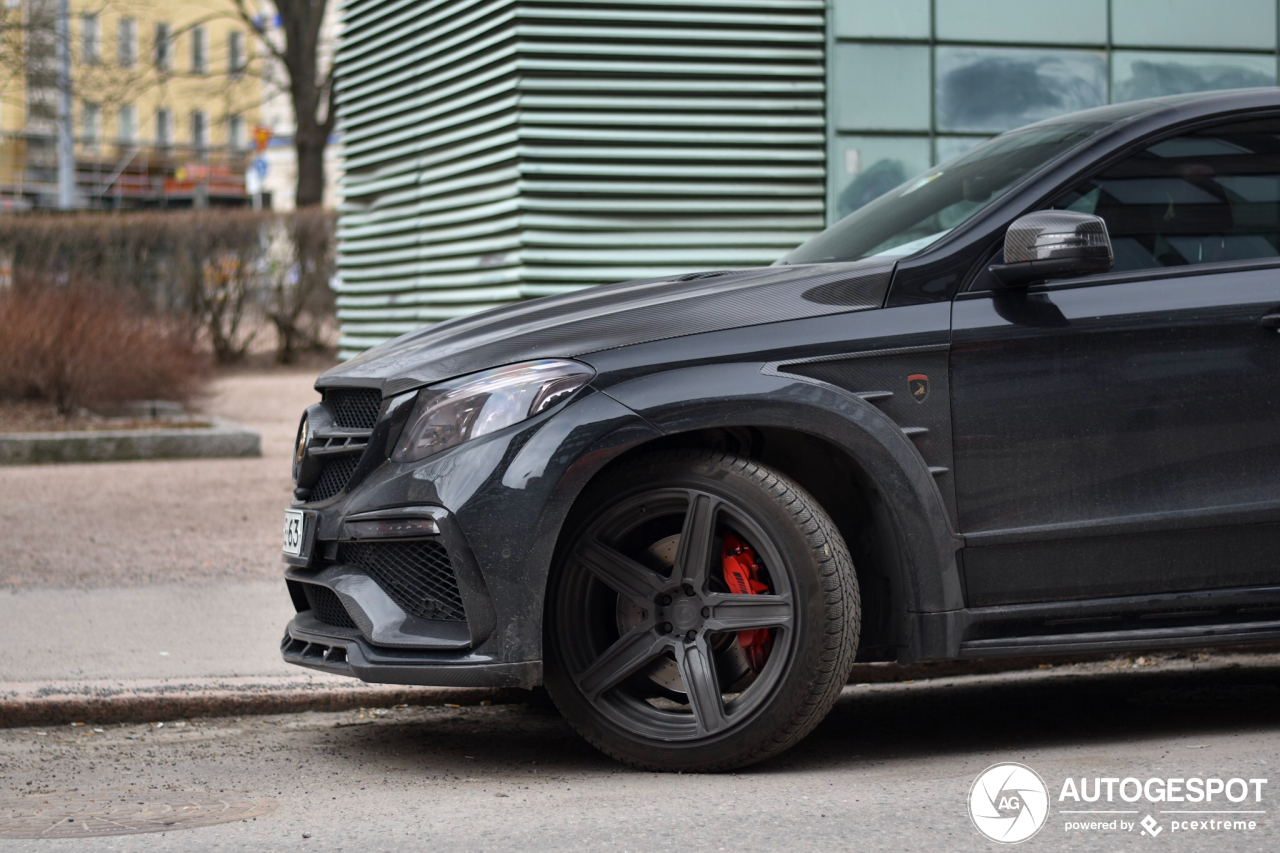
[(63, 702), (223, 439), (60, 703)]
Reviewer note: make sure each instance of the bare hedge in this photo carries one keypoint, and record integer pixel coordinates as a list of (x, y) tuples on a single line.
[(220, 270), (77, 345)]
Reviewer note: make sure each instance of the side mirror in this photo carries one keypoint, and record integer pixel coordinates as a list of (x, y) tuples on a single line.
[(1053, 244)]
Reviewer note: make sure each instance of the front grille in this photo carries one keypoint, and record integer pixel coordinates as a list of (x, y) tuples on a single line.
[(334, 476), (417, 575), (327, 607), (354, 408)]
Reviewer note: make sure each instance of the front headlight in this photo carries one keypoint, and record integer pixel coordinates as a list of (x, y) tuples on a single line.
[(461, 409)]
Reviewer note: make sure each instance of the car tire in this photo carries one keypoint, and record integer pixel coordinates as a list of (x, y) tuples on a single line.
[(639, 607)]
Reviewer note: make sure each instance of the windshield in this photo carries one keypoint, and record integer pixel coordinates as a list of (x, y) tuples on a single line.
[(905, 220)]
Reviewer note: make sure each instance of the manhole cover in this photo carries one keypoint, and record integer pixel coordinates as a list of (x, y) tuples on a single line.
[(88, 815)]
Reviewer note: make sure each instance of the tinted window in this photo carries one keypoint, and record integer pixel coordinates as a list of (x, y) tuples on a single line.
[(1207, 197)]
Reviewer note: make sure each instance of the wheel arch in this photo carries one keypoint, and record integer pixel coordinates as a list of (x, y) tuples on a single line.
[(851, 457)]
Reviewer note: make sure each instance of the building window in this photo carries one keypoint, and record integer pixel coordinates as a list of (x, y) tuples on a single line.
[(90, 40), (199, 130), (163, 48), (236, 134), (90, 123), (40, 108), (198, 50), (164, 127), (127, 130), (235, 52), (127, 43)]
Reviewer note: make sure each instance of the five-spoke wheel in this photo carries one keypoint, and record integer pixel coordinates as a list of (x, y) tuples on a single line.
[(702, 615)]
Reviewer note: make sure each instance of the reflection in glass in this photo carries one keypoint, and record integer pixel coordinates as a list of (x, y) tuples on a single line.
[(1208, 197), (988, 90), (1150, 75)]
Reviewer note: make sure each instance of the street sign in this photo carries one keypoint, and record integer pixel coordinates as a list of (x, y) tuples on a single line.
[(261, 138), (260, 166), (252, 182)]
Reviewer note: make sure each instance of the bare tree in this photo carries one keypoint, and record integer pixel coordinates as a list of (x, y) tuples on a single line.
[(311, 87)]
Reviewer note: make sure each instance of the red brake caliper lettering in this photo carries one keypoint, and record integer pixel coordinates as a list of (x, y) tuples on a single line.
[(742, 574)]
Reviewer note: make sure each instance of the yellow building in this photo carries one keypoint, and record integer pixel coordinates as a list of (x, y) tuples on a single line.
[(165, 99)]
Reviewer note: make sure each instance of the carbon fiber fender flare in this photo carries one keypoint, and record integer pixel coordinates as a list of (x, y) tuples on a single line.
[(749, 395)]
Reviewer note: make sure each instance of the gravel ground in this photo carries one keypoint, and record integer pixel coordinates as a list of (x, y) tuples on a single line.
[(128, 523), (890, 769)]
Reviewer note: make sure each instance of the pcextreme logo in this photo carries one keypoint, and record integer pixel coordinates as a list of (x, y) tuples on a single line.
[(1010, 802)]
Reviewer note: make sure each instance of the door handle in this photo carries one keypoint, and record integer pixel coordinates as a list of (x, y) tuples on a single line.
[(1270, 321)]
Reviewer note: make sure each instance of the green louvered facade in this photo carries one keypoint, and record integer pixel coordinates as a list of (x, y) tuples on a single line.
[(503, 150)]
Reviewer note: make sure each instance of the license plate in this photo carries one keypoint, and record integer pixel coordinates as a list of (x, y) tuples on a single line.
[(294, 526)]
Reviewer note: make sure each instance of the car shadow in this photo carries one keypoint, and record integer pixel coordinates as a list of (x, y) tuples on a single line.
[(1047, 709), (869, 724)]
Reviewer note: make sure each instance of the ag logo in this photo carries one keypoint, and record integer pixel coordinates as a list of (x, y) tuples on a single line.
[(918, 385), (1009, 803)]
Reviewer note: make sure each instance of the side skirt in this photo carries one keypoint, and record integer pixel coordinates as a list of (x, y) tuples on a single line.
[(1130, 623)]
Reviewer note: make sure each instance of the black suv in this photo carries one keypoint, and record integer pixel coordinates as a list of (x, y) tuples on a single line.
[(1026, 403)]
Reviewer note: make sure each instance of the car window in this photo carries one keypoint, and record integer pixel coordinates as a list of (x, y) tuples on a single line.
[(1207, 197)]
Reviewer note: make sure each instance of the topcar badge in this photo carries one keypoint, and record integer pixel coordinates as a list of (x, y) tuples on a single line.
[(918, 385), (1009, 803)]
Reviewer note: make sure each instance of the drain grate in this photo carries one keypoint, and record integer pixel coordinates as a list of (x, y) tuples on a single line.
[(90, 815)]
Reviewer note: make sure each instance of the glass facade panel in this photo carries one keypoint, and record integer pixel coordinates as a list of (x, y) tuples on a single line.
[(882, 87), (867, 167), (999, 64), (1149, 74), (1027, 21), (891, 19), (1239, 24), (990, 90)]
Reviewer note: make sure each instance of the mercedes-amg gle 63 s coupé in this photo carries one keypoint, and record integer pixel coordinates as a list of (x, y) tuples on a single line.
[(1026, 403)]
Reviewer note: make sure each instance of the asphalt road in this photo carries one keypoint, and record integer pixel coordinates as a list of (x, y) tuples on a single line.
[(890, 769)]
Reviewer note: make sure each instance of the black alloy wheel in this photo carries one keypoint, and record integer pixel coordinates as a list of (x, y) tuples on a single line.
[(703, 613)]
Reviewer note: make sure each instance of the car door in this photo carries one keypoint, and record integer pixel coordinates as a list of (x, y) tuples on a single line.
[(1119, 434)]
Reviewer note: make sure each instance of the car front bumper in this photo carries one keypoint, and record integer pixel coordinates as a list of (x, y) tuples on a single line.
[(461, 604), (315, 645)]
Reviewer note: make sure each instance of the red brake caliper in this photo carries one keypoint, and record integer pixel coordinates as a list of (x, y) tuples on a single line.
[(742, 574)]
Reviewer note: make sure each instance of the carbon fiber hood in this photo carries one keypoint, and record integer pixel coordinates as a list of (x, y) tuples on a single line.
[(615, 315)]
